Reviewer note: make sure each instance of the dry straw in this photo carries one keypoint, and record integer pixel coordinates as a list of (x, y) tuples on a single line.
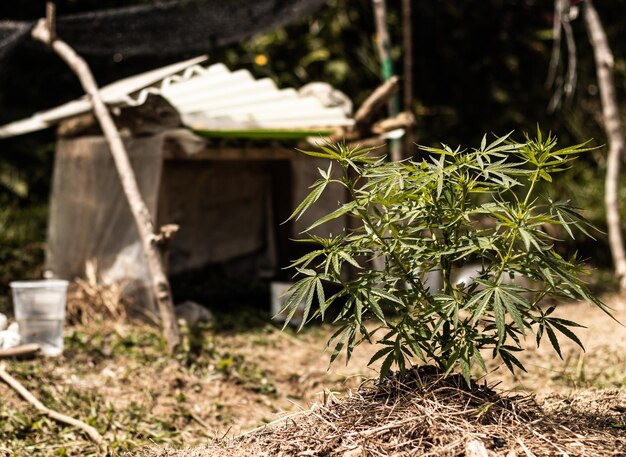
[(425, 415), (91, 300)]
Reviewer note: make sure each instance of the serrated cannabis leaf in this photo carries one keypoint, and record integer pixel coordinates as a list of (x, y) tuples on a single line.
[(417, 220)]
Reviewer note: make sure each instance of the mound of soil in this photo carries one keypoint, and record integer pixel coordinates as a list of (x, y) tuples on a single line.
[(428, 415)]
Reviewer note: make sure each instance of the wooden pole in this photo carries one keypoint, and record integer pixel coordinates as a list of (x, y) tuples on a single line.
[(143, 219), (381, 95), (613, 127), (384, 52), (407, 41)]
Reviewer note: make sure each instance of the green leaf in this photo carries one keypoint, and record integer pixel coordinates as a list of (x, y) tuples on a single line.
[(375, 308), (480, 301), (314, 195), (348, 258), (539, 333), (567, 332), (510, 360), (296, 295), (450, 363), (343, 209), (465, 371), (565, 322), (327, 154), (308, 301), (387, 296), (554, 340), (321, 299), (500, 322), (478, 358), (339, 345), (493, 147), (380, 353), (358, 308), (510, 299), (386, 366)]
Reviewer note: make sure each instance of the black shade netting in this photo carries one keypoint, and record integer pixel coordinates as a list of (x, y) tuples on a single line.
[(11, 34), (172, 27)]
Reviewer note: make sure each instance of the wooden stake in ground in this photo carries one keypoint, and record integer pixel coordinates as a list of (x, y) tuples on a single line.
[(43, 32), (613, 128), (26, 395)]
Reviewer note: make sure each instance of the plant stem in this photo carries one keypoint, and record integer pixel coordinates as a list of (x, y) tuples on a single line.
[(366, 219)]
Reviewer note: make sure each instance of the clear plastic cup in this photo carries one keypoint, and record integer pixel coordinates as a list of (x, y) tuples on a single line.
[(40, 312)]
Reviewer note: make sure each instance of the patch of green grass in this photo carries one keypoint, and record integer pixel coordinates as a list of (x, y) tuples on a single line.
[(76, 383)]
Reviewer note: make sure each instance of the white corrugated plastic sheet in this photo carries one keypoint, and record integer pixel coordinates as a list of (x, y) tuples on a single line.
[(115, 94), (209, 99), (217, 99)]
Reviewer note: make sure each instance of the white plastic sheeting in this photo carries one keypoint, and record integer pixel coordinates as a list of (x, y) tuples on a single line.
[(223, 209), (89, 214), (215, 98)]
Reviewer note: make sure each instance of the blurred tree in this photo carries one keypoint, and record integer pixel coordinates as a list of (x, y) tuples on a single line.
[(612, 123)]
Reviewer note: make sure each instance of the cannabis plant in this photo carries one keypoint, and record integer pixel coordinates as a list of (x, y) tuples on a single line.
[(408, 221)]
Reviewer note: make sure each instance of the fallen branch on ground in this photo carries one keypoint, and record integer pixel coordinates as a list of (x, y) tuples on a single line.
[(20, 351), (59, 417)]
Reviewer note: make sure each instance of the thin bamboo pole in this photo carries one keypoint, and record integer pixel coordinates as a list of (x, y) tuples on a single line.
[(384, 52), (407, 41)]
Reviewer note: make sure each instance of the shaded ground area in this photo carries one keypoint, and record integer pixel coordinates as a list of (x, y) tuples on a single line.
[(230, 380)]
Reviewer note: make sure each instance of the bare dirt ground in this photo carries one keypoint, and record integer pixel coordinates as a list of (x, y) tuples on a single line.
[(584, 389), (229, 382), (601, 366)]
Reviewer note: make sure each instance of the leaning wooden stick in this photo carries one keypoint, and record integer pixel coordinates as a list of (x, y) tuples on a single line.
[(26, 395), (44, 32), (366, 112)]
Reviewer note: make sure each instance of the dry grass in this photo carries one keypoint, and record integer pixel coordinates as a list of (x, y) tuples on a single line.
[(428, 416), (89, 300), (571, 407), (119, 379), (242, 373)]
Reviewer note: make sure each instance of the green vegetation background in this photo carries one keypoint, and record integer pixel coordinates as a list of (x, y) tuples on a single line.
[(480, 66)]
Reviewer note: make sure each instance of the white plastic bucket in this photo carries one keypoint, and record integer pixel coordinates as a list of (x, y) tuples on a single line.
[(40, 312)]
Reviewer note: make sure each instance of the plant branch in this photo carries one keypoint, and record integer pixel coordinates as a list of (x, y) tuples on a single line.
[(408, 277)]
